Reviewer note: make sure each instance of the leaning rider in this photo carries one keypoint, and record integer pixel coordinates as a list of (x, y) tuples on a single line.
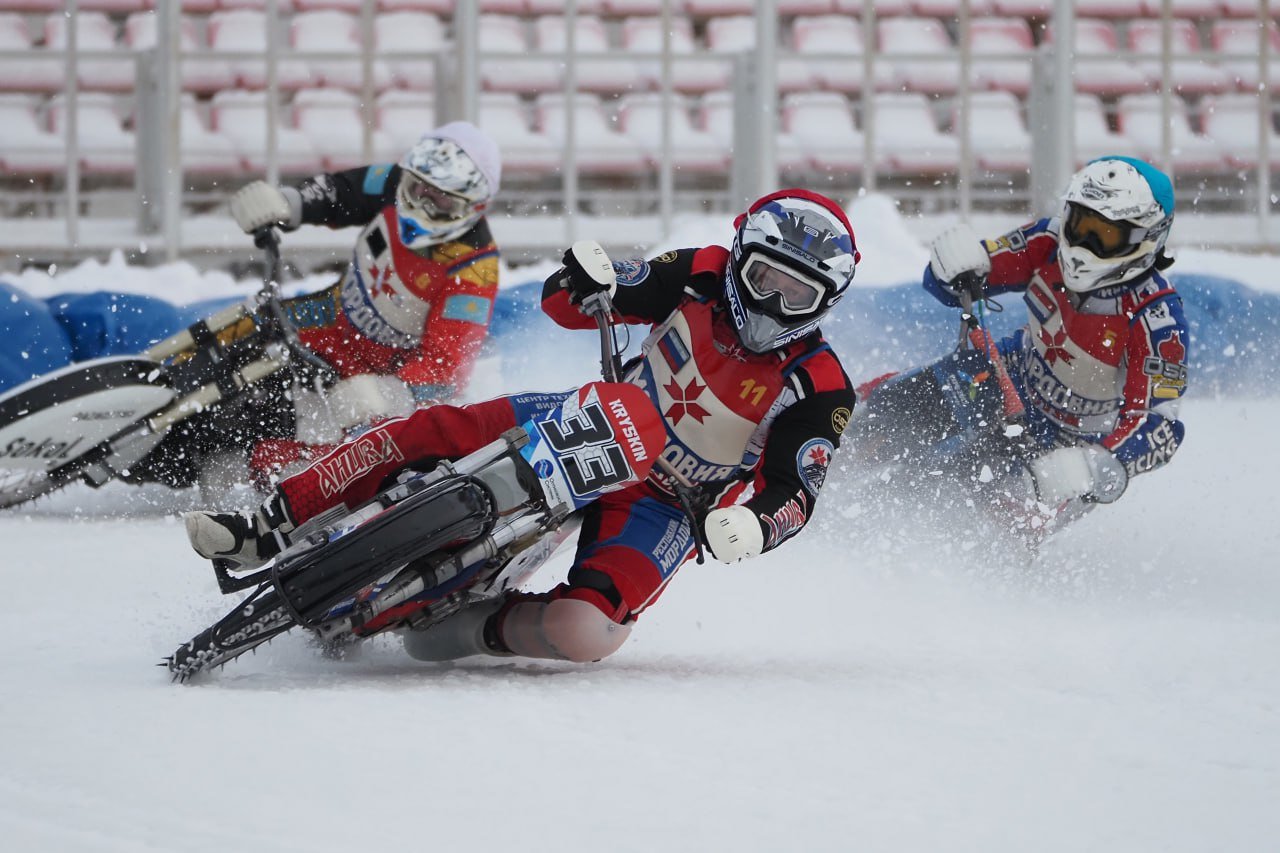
[(753, 398), (1102, 363)]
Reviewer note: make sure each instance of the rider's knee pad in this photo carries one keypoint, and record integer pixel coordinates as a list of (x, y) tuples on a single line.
[(561, 629)]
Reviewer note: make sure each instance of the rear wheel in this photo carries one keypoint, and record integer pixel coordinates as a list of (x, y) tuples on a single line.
[(255, 621)]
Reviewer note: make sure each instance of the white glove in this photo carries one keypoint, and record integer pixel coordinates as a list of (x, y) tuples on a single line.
[(733, 533), (259, 204), (957, 251), (1087, 471)]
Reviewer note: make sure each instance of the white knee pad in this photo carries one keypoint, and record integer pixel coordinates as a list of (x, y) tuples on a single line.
[(563, 629)]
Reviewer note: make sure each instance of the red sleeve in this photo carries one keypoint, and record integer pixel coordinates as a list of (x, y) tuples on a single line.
[(1016, 256)]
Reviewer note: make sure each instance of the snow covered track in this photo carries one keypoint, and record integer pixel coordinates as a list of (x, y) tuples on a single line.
[(854, 692)]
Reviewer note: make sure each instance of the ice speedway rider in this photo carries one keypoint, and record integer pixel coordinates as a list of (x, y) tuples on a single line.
[(404, 324), (753, 399), (1102, 363)]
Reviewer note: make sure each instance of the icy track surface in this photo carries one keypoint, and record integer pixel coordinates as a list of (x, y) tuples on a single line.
[(852, 692)]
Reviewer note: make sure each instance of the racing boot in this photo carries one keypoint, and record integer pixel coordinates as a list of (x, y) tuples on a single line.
[(471, 631), (240, 541)]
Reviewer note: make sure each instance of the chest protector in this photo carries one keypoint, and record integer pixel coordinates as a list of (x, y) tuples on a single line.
[(715, 397), (1073, 360), (387, 290)]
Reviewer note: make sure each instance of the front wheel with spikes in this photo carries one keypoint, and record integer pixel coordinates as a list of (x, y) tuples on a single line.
[(256, 620)]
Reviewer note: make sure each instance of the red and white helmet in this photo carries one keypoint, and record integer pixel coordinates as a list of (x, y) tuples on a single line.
[(793, 257)]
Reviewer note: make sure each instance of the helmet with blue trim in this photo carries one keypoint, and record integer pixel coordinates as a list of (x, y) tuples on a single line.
[(792, 259), (1115, 221), (446, 181)]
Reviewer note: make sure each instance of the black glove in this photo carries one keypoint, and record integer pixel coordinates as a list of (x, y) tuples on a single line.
[(580, 283)]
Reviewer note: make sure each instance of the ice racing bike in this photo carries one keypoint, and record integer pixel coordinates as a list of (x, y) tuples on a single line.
[(433, 542), (950, 436), (220, 384)]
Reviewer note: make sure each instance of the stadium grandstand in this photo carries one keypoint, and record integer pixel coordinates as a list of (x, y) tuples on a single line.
[(127, 123)]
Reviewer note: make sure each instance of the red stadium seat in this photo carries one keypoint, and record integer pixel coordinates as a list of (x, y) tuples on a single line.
[(1140, 120), (823, 125), (600, 148), (333, 121), (989, 37), (203, 151), (26, 146), (837, 34), (608, 73), (404, 117), (907, 133), (716, 117), (335, 32), (1097, 71), (525, 151), (105, 146), (1241, 37), (94, 32), (242, 117), (688, 73), (918, 36), (1094, 136), (692, 149), (512, 72), (998, 135), (198, 74), (244, 30), (1189, 75), (734, 35), (416, 33), (26, 74), (1232, 122)]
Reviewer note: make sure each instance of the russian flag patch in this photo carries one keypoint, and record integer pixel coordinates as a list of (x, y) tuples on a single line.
[(674, 351)]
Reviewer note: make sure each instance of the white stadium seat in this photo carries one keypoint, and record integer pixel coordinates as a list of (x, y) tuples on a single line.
[(26, 74), (1139, 117), (907, 133), (1097, 71), (1189, 75), (94, 32), (607, 73), (688, 73), (823, 125), (1232, 122), (998, 136), (333, 121), (433, 7), (26, 147), (692, 149), (105, 146), (1240, 37), (916, 36), (991, 36), (737, 34), (404, 117), (1094, 136), (840, 35), (525, 151), (198, 74), (1126, 9), (601, 149), (418, 33), (202, 150), (335, 32), (242, 117), (244, 30), (511, 71), (716, 117)]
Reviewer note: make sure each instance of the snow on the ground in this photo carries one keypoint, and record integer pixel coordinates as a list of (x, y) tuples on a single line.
[(847, 692), (877, 688)]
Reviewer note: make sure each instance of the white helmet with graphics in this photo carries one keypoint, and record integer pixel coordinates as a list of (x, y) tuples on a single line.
[(793, 257), (1115, 221), (446, 182)]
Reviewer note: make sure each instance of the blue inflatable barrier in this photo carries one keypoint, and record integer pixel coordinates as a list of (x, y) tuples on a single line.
[(1234, 347)]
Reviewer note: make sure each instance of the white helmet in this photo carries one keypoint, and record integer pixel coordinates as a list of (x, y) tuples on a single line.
[(1115, 221), (793, 257), (446, 182)]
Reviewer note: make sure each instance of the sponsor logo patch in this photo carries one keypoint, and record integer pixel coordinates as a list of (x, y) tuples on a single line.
[(812, 462), (840, 420), (631, 271)]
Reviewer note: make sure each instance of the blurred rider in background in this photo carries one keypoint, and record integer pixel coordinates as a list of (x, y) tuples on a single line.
[(1102, 363), (403, 326)]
